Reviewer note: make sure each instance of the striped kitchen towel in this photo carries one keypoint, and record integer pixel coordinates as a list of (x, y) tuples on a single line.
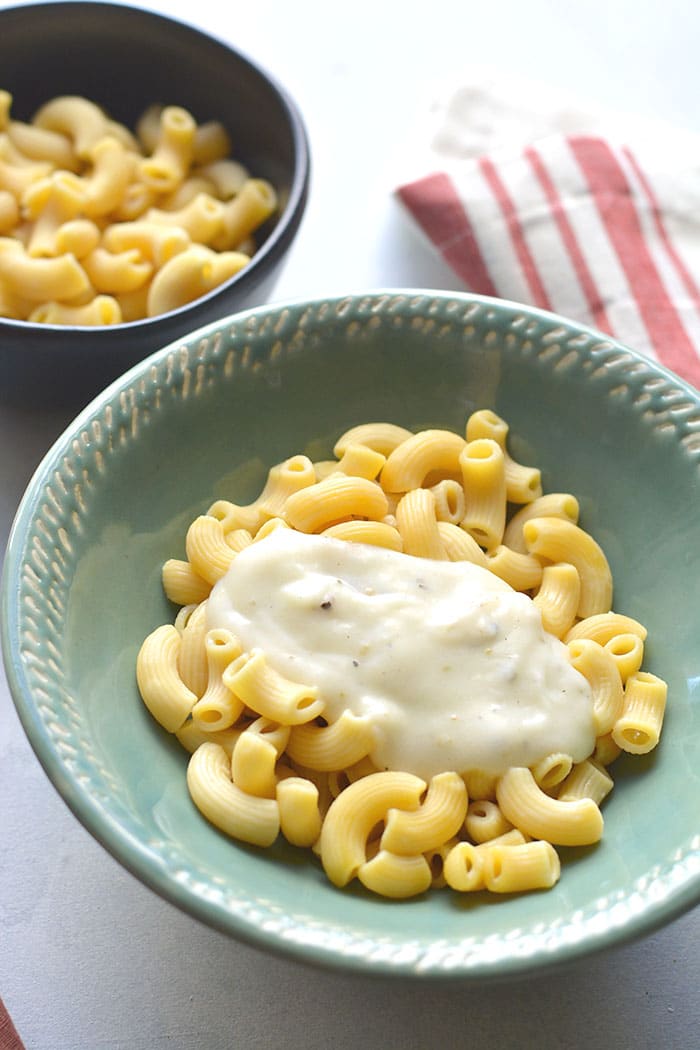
[(605, 232)]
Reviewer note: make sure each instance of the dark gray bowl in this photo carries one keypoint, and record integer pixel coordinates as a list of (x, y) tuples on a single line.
[(124, 59)]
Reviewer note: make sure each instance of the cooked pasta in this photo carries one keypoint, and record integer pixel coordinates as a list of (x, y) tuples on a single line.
[(273, 753), (107, 226)]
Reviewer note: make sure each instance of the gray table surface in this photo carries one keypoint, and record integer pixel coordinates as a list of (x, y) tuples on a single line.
[(89, 958)]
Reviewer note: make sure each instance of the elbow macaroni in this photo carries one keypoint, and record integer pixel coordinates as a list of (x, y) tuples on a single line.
[(265, 761), (142, 224)]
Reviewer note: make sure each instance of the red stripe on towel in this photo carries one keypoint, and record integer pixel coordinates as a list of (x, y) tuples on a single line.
[(568, 236), (436, 207), (681, 269), (613, 197), (9, 1037), (510, 214)]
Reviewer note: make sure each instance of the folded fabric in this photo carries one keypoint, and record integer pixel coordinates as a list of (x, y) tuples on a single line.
[(9, 1037), (589, 225)]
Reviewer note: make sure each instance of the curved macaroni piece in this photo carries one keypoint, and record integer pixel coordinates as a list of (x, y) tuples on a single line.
[(181, 583), (528, 808), (552, 769), (238, 539), (523, 484), (550, 505), (375, 533), (483, 476), (183, 194), (162, 689), (339, 496), (201, 218), (598, 666), (49, 203), (242, 816), (558, 597), (218, 708), (192, 662), (516, 869), (269, 693), (133, 304), (560, 540), (283, 480), (255, 202), (638, 728), (271, 525), (77, 237), (300, 816), (485, 822), (148, 127), (523, 572), (436, 862), (449, 501), (211, 142), (227, 177), (156, 243), (191, 736), (484, 423), (253, 764), (232, 516), (459, 545), (275, 734), (171, 157), (627, 650), (80, 120), (396, 876), (117, 272), (354, 813), (380, 437), (362, 462), (18, 178), (112, 167), (189, 275), (333, 747), (586, 780), (604, 626), (418, 526), (464, 868), (9, 211), (43, 145), (137, 199), (438, 819), (42, 280), (480, 785), (102, 310), (419, 455), (606, 750), (207, 550)]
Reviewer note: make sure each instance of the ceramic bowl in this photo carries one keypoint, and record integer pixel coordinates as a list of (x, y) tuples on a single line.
[(204, 419), (125, 58)]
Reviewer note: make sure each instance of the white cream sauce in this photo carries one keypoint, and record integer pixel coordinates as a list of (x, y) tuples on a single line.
[(451, 664)]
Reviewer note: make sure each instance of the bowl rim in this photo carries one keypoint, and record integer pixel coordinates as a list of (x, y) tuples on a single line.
[(289, 219), (682, 895)]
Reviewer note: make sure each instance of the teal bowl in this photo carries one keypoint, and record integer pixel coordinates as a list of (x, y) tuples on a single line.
[(204, 418)]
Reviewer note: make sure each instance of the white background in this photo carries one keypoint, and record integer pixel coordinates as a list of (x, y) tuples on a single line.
[(89, 958)]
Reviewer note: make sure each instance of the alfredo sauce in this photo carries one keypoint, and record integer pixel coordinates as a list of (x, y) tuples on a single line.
[(450, 664)]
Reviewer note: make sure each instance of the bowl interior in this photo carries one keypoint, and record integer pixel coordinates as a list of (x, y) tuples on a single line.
[(205, 419)]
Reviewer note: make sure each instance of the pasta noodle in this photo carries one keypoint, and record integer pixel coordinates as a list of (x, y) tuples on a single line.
[(111, 227), (269, 756)]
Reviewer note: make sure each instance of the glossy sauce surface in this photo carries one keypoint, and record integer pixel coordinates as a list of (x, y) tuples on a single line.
[(451, 664)]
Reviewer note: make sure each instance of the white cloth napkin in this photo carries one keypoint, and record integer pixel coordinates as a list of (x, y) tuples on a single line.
[(593, 216)]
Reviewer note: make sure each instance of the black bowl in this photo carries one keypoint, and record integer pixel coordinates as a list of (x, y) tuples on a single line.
[(124, 59)]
